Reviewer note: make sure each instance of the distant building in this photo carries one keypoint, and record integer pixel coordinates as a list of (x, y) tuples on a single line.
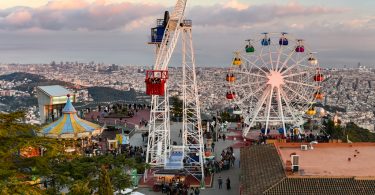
[(51, 101)]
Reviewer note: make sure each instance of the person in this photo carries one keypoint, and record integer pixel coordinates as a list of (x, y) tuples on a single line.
[(191, 191), (213, 146), (228, 184), (163, 188), (233, 160), (220, 181), (196, 191), (224, 137), (180, 134)]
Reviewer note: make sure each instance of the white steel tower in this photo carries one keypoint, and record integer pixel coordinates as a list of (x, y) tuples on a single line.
[(160, 153)]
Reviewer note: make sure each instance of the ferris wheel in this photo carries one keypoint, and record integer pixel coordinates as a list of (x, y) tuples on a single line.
[(274, 82)]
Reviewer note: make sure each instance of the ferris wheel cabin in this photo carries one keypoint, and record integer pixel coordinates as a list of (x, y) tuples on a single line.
[(318, 77), (283, 41), (313, 61), (231, 95), (318, 96), (155, 82), (249, 48), (300, 48), (311, 112), (237, 61), (230, 78)]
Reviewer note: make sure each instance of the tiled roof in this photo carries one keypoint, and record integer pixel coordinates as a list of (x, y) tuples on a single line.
[(262, 173), (261, 168), (323, 186)]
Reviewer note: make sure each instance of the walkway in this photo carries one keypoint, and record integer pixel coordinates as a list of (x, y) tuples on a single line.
[(233, 173)]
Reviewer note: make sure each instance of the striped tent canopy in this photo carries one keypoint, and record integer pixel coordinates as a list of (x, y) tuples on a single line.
[(70, 126)]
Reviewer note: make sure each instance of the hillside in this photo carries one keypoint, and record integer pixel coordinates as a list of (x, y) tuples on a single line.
[(99, 94), (35, 80)]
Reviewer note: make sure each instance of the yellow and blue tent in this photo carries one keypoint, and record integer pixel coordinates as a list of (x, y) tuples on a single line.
[(70, 125)]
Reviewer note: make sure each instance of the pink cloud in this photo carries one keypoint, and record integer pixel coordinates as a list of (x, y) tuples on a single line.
[(240, 14), (101, 15), (78, 15), (66, 4), (18, 17), (234, 4)]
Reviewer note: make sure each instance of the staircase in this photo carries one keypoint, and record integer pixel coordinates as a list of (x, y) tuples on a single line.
[(175, 160)]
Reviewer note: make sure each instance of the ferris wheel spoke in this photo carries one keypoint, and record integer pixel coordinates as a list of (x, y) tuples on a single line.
[(278, 58), (249, 84), (253, 63), (270, 55), (295, 74), (249, 74), (298, 94), (251, 94), (281, 110), (257, 110), (300, 83), (287, 103), (261, 57), (286, 61), (269, 110), (298, 63)]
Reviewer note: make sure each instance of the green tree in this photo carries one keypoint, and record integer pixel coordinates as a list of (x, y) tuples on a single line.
[(20, 173), (59, 170), (177, 106), (80, 188), (358, 134), (105, 185)]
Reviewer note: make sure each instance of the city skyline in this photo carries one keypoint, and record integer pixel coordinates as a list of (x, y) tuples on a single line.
[(116, 31)]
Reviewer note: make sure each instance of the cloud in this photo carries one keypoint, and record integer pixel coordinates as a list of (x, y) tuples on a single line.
[(66, 5), (18, 17), (81, 15), (235, 14), (77, 15), (234, 4)]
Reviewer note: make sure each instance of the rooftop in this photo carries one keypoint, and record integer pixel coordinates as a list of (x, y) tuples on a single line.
[(324, 170), (332, 159), (54, 90)]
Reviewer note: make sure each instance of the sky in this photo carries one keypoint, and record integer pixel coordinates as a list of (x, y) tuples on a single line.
[(342, 32)]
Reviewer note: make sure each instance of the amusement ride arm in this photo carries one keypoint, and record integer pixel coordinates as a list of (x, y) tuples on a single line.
[(171, 35)]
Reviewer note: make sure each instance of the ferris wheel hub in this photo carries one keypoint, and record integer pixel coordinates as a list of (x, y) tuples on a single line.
[(275, 79)]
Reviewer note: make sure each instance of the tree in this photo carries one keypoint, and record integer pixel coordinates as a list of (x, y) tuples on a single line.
[(177, 106), (80, 188), (105, 185), (358, 134), (19, 171), (59, 170), (353, 131)]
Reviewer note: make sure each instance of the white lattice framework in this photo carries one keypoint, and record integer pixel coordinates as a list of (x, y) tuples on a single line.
[(159, 146)]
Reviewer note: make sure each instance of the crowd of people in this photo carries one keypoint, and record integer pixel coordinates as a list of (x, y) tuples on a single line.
[(136, 152), (179, 188), (300, 137)]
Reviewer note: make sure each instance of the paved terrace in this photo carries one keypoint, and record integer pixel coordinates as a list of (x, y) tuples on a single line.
[(130, 122), (331, 159)]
